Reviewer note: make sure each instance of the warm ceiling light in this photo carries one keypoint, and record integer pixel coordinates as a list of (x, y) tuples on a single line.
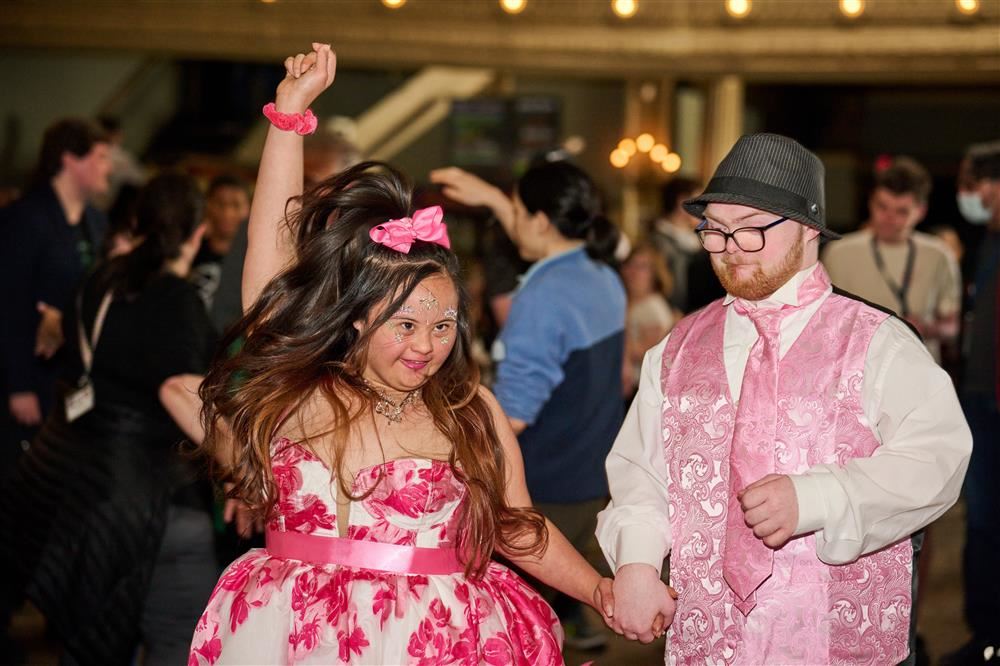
[(619, 158), (513, 6), (644, 142), (671, 163), (393, 4), (624, 8), (852, 8), (658, 152), (738, 8), (968, 7), (627, 146)]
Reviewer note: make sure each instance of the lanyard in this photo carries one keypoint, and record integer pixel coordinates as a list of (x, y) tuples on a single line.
[(898, 290), (88, 347)]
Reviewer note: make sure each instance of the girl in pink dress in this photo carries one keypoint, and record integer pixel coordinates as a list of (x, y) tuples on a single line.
[(352, 420)]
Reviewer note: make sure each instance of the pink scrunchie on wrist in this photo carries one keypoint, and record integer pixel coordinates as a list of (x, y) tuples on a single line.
[(300, 123)]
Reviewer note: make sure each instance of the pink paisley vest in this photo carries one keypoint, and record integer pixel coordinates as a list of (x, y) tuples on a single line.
[(807, 612)]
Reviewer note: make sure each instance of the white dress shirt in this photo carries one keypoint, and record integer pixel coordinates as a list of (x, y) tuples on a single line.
[(912, 478)]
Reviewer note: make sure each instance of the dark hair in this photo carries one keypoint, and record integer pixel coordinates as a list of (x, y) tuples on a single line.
[(227, 180), (905, 175), (570, 200), (121, 216), (985, 160), (72, 135), (300, 338), (167, 211), (671, 192), (110, 124)]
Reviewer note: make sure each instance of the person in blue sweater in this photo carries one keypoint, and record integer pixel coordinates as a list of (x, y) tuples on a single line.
[(559, 355)]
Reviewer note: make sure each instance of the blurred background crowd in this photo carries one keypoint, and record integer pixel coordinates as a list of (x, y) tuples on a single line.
[(645, 96)]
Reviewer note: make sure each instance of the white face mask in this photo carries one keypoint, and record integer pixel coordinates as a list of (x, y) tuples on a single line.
[(970, 205)]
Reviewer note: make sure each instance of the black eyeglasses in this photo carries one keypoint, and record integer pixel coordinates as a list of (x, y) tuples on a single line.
[(748, 239)]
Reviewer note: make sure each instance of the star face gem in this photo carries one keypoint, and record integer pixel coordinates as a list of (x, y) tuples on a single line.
[(396, 334), (428, 302)]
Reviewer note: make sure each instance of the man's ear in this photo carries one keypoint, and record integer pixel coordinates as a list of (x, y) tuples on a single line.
[(66, 160)]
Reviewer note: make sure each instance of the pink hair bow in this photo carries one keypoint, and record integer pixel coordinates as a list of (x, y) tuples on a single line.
[(427, 224)]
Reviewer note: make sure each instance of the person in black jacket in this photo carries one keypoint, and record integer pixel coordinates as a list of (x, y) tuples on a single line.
[(111, 525), (49, 239)]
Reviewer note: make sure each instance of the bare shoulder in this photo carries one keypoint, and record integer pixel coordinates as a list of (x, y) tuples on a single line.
[(488, 396), (491, 401), (501, 424)]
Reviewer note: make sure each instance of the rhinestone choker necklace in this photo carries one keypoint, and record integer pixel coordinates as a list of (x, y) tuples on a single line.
[(389, 408)]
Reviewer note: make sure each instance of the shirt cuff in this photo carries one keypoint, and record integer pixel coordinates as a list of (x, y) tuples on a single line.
[(810, 490), (637, 544)]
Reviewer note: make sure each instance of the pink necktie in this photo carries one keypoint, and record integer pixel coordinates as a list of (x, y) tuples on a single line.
[(746, 561)]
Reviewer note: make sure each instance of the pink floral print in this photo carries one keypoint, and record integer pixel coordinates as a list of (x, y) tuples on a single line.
[(271, 610)]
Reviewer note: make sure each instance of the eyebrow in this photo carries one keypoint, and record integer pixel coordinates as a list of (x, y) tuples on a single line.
[(736, 221), (412, 317)]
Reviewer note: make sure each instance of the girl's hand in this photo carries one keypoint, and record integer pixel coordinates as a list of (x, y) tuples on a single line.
[(235, 511), (604, 601), (307, 75)]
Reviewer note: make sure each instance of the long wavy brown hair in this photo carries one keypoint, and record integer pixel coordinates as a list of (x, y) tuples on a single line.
[(299, 338)]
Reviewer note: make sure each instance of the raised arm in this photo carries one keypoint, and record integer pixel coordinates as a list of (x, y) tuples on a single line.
[(269, 247), (465, 188)]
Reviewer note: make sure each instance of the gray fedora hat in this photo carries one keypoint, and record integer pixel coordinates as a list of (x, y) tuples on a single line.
[(773, 173)]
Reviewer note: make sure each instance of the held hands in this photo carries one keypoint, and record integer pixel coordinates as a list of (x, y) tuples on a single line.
[(646, 605), (306, 76), (771, 509)]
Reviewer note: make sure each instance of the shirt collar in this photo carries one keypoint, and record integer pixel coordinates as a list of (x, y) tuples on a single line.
[(787, 294), (547, 261)]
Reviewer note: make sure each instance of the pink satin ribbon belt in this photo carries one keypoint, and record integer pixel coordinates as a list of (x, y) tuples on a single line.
[(363, 554)]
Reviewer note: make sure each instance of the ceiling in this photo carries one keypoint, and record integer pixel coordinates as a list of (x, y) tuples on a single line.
[(781, 40)]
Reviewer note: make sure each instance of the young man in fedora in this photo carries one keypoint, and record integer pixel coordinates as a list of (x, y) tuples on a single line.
[(785, 443)]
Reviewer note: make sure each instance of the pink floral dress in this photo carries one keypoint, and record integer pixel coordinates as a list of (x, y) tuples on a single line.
[(268, 610)]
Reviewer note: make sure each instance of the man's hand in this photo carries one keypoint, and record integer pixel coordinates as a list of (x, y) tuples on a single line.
[(604, 601), (25, 409), (49, 337), (639, 597), (771, 509)]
